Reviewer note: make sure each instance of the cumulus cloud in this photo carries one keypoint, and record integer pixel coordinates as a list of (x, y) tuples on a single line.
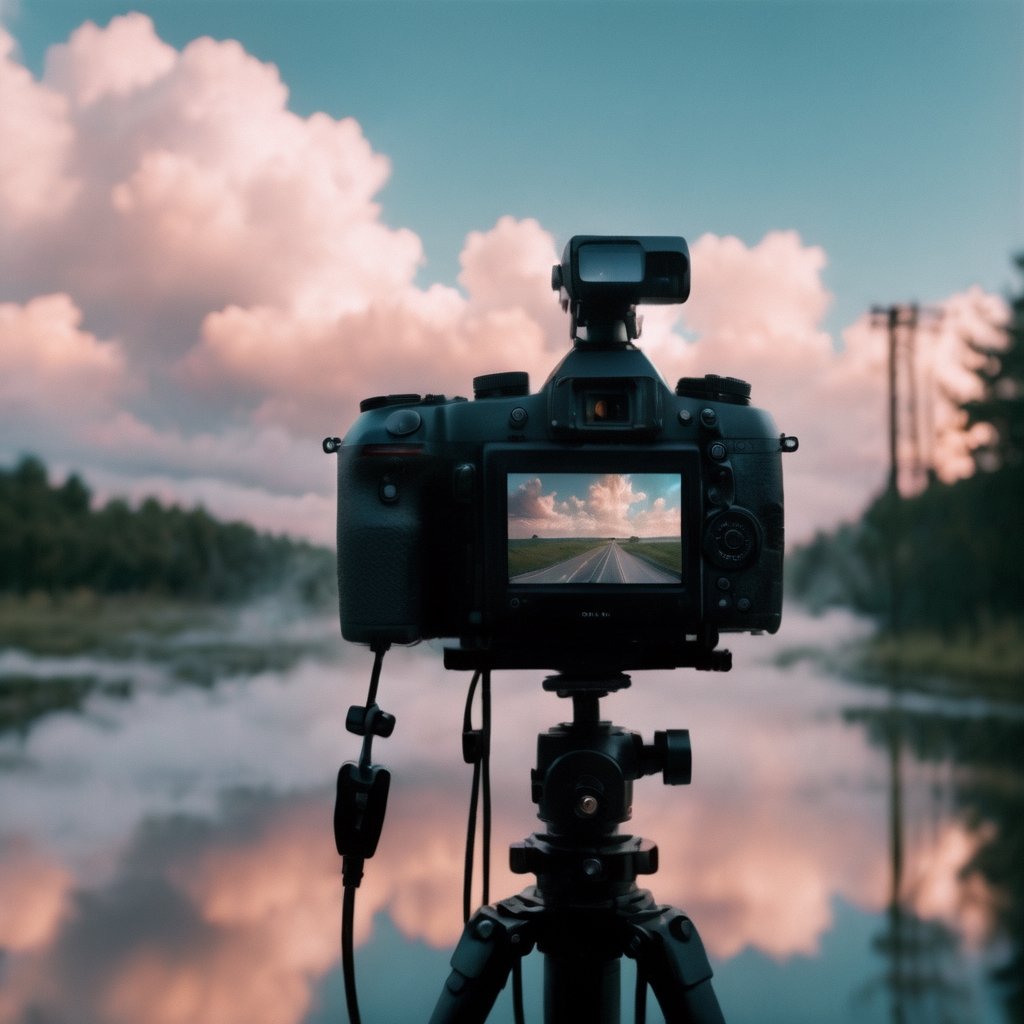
[(42, 343), (115, 61), (223, 290), (36, 185), (609, 505), (57, 380)]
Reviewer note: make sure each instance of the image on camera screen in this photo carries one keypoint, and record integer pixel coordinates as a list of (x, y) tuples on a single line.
[(582, 528)]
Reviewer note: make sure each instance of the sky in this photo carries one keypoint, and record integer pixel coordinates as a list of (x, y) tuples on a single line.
[(223, 223), (594, 505)]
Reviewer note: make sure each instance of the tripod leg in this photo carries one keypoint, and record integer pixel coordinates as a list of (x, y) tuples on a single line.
[(480, 966), (671, 956)]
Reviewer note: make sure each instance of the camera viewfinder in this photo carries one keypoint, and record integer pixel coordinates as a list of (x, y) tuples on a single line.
[(606, 407)]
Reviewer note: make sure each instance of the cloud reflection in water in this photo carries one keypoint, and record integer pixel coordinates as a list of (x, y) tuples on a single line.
[(169, 857)]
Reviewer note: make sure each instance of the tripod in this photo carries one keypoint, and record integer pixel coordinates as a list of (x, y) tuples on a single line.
[(586, 910)]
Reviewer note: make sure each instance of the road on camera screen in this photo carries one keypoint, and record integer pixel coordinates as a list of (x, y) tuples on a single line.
[(607, 562)]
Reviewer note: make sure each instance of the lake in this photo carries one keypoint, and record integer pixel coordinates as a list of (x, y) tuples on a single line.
[(848, 851)]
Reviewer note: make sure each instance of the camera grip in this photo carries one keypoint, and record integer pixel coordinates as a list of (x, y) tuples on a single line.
[(380, 563)]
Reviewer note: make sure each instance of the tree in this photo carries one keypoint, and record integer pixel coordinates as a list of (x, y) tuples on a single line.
[(52, 540), (1001, 405)]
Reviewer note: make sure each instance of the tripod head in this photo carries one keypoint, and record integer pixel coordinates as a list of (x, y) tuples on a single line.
[(583, 788), (583, 782)]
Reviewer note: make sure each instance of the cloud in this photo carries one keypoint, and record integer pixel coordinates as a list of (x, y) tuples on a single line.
[(605, 506), (223, 290), (33, 890), (36, 186), (116, 61), (42, 342), (56, 379)]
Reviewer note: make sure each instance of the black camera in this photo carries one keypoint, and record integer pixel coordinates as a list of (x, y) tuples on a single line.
[(604, 523)]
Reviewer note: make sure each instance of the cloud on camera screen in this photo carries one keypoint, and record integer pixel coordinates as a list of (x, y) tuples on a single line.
[(595, 528)]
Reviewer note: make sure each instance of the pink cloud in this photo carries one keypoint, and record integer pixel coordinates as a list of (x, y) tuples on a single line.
[(35, 183), (611, 507), (236, 253), (45, 355), (116, 61), (757, 294)]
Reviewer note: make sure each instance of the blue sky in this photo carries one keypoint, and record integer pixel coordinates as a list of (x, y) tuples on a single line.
[(888, 133), (594, 504), (211, 250)]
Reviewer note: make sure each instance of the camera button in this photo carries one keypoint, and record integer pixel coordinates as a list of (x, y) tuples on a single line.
[(718, 452), (388, 491), (518, 417), (743, 604), (403, 422), (723, 583), (708, 417)]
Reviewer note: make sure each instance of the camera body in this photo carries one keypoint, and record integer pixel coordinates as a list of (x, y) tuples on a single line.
[(604, 523)]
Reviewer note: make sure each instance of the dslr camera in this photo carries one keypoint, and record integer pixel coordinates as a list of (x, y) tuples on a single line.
[(605, 523)]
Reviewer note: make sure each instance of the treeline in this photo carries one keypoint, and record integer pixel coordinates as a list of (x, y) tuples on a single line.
[(947, 560), (52, 540)]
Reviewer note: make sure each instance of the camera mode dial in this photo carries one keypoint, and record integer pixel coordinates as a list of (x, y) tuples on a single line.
[(382, 401), (512, 384), (732, 539), (715, 388)]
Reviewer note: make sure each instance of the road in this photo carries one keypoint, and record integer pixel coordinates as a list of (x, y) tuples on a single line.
[(605, 563)]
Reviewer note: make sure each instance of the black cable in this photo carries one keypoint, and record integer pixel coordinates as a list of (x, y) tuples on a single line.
[(476, 750), (378, 660), (485, 782), (471, 753), (348, 966), (355, 846), (467, 873)]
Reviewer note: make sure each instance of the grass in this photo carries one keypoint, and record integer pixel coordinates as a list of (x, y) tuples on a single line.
[(987, 661), (196, 644), (540, 552), (83, 622), (665, 554), (198, 641), (528, 555)]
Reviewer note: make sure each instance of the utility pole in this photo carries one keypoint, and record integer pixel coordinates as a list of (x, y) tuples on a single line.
[(904, 948), (906, 317), (890, 317)]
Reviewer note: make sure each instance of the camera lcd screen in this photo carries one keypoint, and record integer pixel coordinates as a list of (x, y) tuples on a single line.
[(570, 529)]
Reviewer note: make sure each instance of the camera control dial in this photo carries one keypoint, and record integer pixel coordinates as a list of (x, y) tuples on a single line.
[(715, 388), (512, 384), (732, 539)]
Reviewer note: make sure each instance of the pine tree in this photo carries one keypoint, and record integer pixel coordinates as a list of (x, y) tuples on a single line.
[(1001, 405)]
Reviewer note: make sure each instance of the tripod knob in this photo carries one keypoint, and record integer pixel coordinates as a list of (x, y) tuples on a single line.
[(674, 756)]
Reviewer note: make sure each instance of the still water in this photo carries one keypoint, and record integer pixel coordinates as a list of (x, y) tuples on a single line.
[(166, 854)]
